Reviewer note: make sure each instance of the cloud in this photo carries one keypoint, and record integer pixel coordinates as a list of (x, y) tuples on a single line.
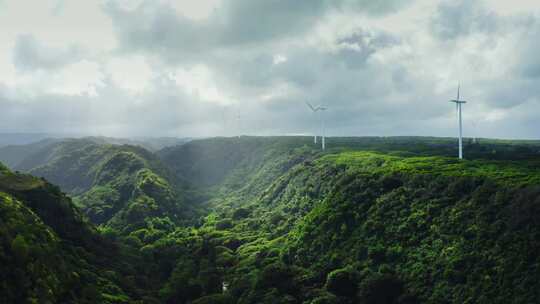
[(244, 66), (463, 17), (157, 28), (29, 54), (528, 52), (165, 109)]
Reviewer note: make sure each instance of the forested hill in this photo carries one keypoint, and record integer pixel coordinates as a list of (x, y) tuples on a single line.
[(73, 163), (50, 254), (116, 185), (12, 155), (403, 224), (276, 220)]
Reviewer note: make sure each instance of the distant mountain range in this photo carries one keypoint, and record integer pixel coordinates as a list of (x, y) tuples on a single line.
[(21, 138), (150, 143), (14, 148)]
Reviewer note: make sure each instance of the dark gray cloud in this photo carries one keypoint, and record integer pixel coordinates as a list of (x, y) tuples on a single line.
[(529, 66), (379, 69), (30, 54), (158, 29), (355, 49), (501, 52), (163, 110), (462, 18)]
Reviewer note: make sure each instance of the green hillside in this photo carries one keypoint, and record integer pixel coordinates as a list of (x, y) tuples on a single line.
[(275, 220), (421, 224), (114, 185), (74, 163), (28, 156), (50, 254), (125, 190), (13, 155)]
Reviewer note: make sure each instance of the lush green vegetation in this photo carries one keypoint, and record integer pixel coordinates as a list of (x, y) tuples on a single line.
[(49, 254), (12, 155), (275, 220), (508, 172), (114, 185), (396, 221)]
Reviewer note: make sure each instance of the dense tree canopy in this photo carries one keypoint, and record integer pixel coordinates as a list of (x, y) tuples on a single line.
[(274, 220)]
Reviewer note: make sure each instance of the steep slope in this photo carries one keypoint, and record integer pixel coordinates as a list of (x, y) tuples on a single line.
[(149, 143), (290, 225), (13, 155), (284, 222), (22, 155), (125, 191), (206, 163), (8, 139), (445, 231), (118, 186), (48, 253), (72, 163), (430, 229)]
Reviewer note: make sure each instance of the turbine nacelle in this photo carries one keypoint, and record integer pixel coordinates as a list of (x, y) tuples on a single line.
[(458, 103)]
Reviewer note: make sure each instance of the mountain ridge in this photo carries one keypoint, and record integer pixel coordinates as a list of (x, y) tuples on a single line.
[(276, 220)]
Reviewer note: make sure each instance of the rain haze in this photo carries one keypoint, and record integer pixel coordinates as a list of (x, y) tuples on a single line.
[(221, 68)]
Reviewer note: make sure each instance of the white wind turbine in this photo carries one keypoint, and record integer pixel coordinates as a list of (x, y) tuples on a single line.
[(458, 103), (239, 124), (225, 121), (315, 110), (474, 124)]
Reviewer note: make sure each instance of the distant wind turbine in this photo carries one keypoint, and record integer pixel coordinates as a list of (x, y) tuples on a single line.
[(225, 122), (474, 125), (239, 124), (458, 103), (315, 110)]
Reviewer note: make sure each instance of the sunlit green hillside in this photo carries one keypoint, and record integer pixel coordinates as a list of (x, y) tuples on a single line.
[(277, 220), (49, 253)]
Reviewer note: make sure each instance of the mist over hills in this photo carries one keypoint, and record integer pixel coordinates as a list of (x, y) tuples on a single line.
[(15, 150), (21, 138)]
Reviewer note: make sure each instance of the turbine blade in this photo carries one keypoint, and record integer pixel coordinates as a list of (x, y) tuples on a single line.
[(321, 107), (311, 107)]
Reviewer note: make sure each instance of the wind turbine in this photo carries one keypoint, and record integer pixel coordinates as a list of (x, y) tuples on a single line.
[(225, 120), (315, 110), (458, 103), (239, 124), (474, 125)]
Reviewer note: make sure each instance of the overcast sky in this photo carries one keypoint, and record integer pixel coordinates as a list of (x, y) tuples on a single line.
[(223, 67)]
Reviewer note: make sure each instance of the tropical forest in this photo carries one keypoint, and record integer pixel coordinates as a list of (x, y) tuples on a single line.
[(269, 152), (270, 220)]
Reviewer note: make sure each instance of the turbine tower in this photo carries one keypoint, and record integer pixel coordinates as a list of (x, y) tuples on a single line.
[(239, 124), (474, 133), (458, 103), (315, 110), (323, 131)]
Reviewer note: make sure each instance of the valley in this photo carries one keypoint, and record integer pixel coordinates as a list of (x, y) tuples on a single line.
[(271, 220)]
